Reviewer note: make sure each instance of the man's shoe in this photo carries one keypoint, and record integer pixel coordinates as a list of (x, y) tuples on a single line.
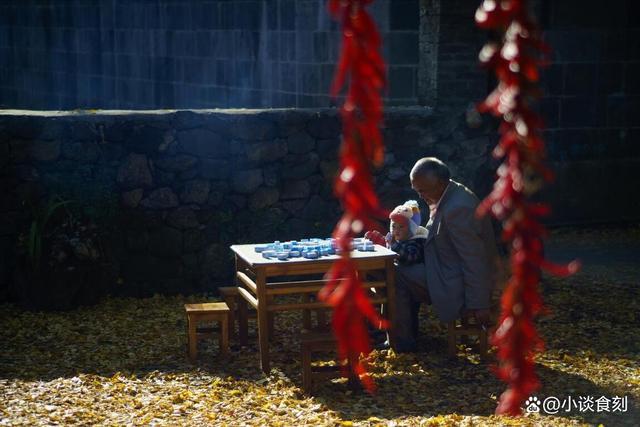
[(382, 345)]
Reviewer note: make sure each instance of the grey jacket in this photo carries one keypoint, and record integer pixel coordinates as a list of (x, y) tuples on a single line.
[(460, 255)]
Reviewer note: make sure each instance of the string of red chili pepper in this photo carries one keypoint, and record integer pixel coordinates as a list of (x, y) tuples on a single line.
[(515, 61), (362, 67)]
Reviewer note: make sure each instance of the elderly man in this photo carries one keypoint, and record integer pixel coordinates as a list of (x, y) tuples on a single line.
[(460, 256)]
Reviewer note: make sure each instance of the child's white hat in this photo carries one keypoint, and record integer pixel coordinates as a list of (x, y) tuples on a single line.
[(403, 214)]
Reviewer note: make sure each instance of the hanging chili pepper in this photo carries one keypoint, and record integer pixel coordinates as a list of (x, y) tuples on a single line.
[(515, 60), (361, 67)]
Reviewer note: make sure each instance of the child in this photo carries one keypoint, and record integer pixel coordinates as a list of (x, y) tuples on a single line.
[(406, 235)]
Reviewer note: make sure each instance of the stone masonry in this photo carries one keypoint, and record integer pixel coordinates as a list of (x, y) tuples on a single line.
[(172, 190)]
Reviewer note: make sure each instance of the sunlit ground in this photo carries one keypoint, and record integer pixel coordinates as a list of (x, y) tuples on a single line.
[(123, 362)]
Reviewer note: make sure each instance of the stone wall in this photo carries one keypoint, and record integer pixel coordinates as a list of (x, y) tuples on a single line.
[(591, 102), (187, 54), (172, 190), (175, 189)]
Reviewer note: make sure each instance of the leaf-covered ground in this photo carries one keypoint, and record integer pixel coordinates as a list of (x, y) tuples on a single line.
[(124, 362)]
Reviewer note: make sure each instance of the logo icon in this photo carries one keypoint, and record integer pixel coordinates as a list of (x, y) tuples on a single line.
[(532, 404)]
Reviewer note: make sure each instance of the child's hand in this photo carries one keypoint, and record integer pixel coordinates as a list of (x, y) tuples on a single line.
[(376, 237), (389, 238)]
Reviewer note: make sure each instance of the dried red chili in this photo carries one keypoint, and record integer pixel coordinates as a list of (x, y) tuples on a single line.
[(361, 67), (515, 60)]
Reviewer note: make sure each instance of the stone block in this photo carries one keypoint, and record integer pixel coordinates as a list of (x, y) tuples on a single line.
[(131, 199), (328, 148), (247, 181), (581, 79), (86, 152), (162, 198), (288, 76), (271, 175), (300, 166), (267, 151), (177, 163), (550, 111), (44, 151), (195, 191), (203, 143), (182, 218), (293, 207), (304, 46), (576, 46), (287, 47), (404, 15), (178, 16), (194, 71), (632, 71), (403, 48), (148, 139), (320, 48), (329, 168), (318, 209), (193, 240), (243, 48), (250, 128), (611, 79), (271, 18), (165, 242), (552, 79), (134, 172), (300, 142), (214, 169), (204, 44), (308, 79), (578, 111), (295, 189), (215, 261), (324, 126), (263, 198), (288, 14), (402, 82), (187, 175)]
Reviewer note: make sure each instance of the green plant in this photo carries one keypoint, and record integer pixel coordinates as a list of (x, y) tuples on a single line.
[(62, 263), (34, 240)]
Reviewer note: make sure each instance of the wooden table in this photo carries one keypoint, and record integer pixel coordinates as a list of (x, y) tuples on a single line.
[(253, 271)]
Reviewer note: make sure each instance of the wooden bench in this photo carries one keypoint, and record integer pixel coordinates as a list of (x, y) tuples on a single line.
[(311, 342), (236, 303), (207, 312), (231, 296), (460, 328), (463, 329)]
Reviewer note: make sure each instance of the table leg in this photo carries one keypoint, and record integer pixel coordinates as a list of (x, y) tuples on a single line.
[(224, 336), (271, 318), (263, 320), (321, 317), (391, 294), (192, 339), (243, 320), (306, 313)]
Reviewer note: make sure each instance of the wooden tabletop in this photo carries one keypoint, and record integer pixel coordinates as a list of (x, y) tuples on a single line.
[(253, 258)]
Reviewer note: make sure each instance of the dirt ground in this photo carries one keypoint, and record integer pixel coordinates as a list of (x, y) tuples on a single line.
[(123, 362)]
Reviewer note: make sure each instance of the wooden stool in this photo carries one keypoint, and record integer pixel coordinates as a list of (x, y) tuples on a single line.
[(318, 341), (203, 312), (461, 328), (321, 315), (464, 329), (231, 296)]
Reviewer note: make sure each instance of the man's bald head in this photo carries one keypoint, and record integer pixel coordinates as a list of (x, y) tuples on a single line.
[(429, 178), (431, 166)]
